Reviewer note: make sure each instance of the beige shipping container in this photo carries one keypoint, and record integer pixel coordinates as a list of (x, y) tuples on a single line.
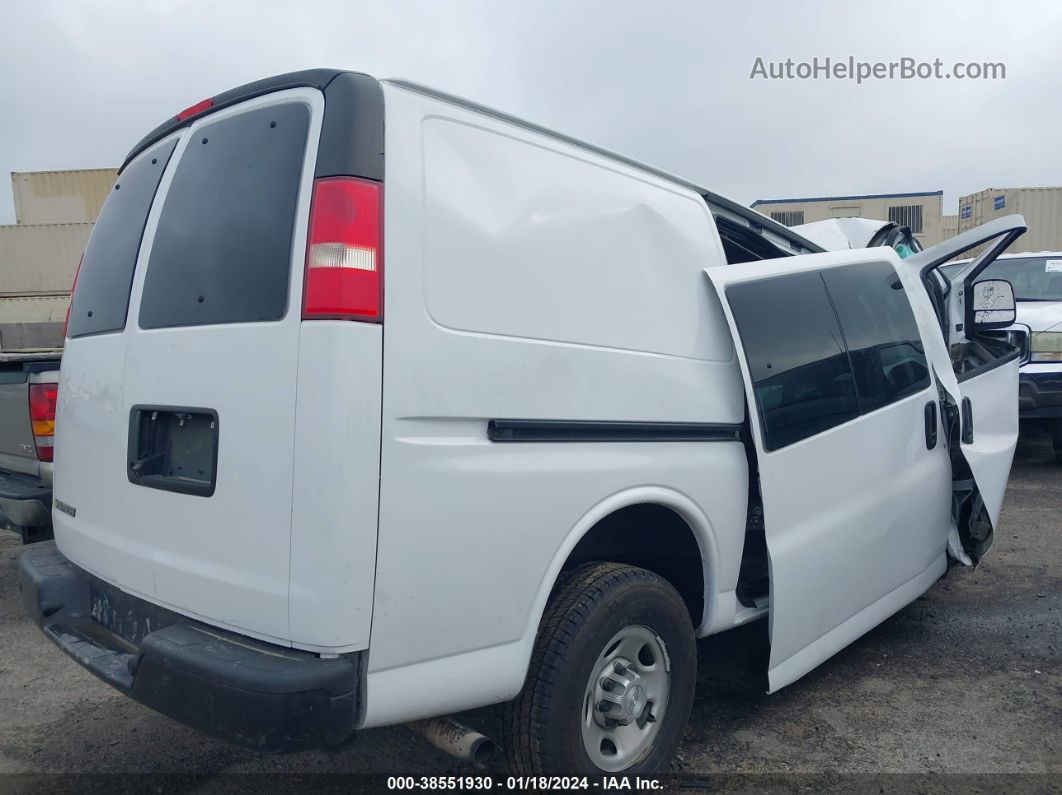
[(60, 197), (32, 323), (921, 211), (949, 226), (40, 259), (1042, 208)]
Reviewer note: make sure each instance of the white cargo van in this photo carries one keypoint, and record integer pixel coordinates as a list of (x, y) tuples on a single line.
[(379, 405)]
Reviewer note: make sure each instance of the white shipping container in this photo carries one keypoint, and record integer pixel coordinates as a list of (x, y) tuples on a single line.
[(40, 259), (60, 197), (1042, 208)]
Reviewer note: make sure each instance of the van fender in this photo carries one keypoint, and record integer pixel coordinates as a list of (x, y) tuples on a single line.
[(685, 507), (498, 673)]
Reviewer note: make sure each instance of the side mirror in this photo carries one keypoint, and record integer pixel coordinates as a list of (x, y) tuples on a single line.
[(993, 304)]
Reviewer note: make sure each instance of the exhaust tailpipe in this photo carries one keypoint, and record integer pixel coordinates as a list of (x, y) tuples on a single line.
[(456, 739)]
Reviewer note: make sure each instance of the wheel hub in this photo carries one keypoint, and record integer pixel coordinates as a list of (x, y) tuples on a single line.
[(626, 698), (621, 693)]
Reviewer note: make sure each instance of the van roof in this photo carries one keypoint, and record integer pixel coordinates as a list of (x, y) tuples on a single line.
[(313, 78), (323, 78)]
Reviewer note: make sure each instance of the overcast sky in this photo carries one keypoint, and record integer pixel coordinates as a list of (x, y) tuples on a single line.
[(664, 82)]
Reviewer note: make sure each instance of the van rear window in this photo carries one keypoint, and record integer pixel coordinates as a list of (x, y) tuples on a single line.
[(222, 251), (101, 299)]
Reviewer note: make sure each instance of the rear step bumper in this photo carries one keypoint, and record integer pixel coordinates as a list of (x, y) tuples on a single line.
[(254, 694), (26, 506)]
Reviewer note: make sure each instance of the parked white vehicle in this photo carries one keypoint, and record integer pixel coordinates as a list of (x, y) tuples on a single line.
[(1037, 280), (363, 422)]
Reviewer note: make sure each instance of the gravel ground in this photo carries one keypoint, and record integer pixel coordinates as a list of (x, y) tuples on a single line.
[(966, 680)]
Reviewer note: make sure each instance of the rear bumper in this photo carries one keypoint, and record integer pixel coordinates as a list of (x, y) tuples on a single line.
[(254, 694), (26, 506), (1039, 394)]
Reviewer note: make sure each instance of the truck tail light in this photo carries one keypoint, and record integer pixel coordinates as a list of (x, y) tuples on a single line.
[(42, 399), (344, 257), (66, 323)]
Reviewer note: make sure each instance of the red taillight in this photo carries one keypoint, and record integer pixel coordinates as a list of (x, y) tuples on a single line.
[(196, 109), (42, 399), (344, 262), (66, 323)]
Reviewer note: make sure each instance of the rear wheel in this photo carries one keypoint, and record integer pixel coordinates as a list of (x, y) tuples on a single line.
[(1056, 439), (611, 679)]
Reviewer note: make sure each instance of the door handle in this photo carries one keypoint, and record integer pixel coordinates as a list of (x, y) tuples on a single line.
[(967, 421), (931, 424)]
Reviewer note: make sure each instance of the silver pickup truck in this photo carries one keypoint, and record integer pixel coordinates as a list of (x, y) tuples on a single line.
[(29, 385)]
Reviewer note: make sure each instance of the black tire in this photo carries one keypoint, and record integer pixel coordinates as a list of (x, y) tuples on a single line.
[(541, 728), (1056, 439)]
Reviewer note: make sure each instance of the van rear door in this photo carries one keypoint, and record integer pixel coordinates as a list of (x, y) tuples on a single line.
[(174, 467)]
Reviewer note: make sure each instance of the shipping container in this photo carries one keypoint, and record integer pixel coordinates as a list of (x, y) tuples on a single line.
[(949, 226), (60, 197), (921, 212), (32, 323), (40, 259), (1042, 208)]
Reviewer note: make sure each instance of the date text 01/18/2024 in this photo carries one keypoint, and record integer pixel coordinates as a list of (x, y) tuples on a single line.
[(523, 783)]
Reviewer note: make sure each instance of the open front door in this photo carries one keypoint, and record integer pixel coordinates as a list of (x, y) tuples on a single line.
[(854, 477), (979, 381)]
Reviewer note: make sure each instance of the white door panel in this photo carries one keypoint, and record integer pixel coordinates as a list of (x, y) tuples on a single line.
[(992, 393), (856, 516), (851, 515), (994, 404)]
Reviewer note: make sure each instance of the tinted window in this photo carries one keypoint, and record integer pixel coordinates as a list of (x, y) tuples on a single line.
[(101, 300), (801, 376), (880, 332), (223, 247)]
